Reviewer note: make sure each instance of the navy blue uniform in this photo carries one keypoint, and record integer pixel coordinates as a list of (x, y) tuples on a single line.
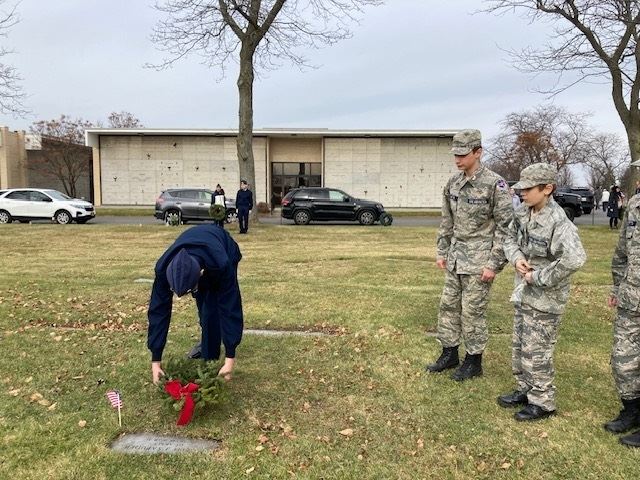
[(244, 203), (218, 296)]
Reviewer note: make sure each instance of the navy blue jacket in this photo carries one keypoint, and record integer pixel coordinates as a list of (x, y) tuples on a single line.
[(218, 254), (244, 199)]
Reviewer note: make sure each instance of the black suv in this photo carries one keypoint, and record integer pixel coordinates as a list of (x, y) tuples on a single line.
[(180, 205), (326, 204), (586, 196)]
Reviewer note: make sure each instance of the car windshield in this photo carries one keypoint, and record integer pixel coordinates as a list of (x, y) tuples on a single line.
[(56, 195)]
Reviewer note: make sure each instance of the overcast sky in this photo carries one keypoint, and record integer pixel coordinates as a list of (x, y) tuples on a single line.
[(411, 64)]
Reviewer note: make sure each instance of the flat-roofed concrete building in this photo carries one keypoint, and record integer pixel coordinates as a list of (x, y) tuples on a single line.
[(399, 168)]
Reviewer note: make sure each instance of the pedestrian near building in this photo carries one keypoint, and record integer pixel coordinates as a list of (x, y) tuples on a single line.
[(203, 261), (605, 200), (244, 205), (625, 355), (218, 198), (476, 213), (613, 206), (544, 247)]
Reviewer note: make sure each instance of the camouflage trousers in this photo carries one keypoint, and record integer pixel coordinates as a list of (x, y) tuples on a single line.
[(625, 356), (534, 337), (462, 315)]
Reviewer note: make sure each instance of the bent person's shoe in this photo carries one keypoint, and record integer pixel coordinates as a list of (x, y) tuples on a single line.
[(532, 412), (628, 418), (632, 440), (195, 352), (471, 367), (448, 359), (512, 399)]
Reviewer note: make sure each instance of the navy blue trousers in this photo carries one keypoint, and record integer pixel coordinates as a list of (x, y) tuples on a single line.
[(220, 311), (243, 219)]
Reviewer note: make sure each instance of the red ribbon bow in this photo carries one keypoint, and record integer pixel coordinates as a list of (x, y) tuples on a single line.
[(177, 391)]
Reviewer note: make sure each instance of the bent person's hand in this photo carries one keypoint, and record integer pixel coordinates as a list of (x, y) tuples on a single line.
[(441, 263), (487, 275), (612, 301), (522, 267), (156, 372)]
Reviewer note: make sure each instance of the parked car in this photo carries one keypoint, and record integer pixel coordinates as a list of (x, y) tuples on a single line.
[(182, 205), (26, 204), (586, 196), (303, 205), (570, 202)]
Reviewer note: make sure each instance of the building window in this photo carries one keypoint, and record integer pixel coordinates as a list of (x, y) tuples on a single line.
[(286, 176)]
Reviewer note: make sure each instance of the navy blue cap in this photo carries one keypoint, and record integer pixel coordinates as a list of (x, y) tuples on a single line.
[(183, 273)]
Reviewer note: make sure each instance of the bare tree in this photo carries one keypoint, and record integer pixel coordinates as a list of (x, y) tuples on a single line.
[(258, 34), (123, 120), (606, 159), (594, 40), (11, 94), (546, 134), (64, 155)]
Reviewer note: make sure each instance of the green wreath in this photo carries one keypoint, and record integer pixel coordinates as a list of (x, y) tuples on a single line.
[(211, 387), (217, 212)]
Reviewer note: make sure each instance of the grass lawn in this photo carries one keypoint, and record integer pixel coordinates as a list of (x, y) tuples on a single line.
[(72, 326)]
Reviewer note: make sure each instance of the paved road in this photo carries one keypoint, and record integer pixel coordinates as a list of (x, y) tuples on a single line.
[(599, 218)]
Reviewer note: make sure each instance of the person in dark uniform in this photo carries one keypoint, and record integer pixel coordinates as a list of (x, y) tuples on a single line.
[(244, 204), (203, 261)]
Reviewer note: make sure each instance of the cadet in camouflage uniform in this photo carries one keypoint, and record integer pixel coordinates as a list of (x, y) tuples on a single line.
[(625, 295), (545, 249), (476, 212)]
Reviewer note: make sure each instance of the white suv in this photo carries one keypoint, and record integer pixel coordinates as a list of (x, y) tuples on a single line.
[(25, 204)]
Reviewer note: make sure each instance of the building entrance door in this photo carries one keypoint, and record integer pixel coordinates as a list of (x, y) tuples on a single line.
[(285, 176)]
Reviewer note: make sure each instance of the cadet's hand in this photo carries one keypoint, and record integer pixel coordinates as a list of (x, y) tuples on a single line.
[(522, 267), (441, 263), (487, 275), (612, 301), (156, 372), (529, 277)]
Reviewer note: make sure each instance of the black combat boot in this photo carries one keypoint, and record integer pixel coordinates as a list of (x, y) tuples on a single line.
[(632, 440), (471, 367), (628, 418), (513, 399), (196, 352), (448, 359), (532, 412)]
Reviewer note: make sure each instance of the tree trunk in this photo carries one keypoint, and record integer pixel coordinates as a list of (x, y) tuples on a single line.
[(245, 129), (633, 134)]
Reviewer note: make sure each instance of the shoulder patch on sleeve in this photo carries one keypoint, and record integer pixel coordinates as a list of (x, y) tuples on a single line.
[(502, 186)]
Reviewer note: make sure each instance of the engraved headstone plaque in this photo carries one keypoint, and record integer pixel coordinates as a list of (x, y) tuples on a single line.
[(149, 443)]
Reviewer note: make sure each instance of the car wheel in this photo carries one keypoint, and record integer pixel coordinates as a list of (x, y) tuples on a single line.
[(302, 217), (386, 219), (5, 217), (62, 217), (569, 212), (366, 218), (172, 217), (232, 216)]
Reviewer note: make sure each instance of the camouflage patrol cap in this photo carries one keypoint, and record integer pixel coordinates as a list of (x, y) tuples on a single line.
[(537, 174), (465, 141)]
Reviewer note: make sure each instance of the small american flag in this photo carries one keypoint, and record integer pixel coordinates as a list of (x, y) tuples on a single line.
[(114, 398)]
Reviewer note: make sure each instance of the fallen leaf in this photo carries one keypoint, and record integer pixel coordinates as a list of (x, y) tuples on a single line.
[(249, 470), (44, 402), (52, 407), (420, 443), (263, 439), (259, 448), (28, 380), (347, 432), (544, 435), (481, 467), (82, 423), (36, 396), (14, 393), (505, 466)]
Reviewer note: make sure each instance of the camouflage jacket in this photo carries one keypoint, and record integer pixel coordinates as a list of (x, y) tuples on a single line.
[(625, 265), (551, 245), (476, 213)]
